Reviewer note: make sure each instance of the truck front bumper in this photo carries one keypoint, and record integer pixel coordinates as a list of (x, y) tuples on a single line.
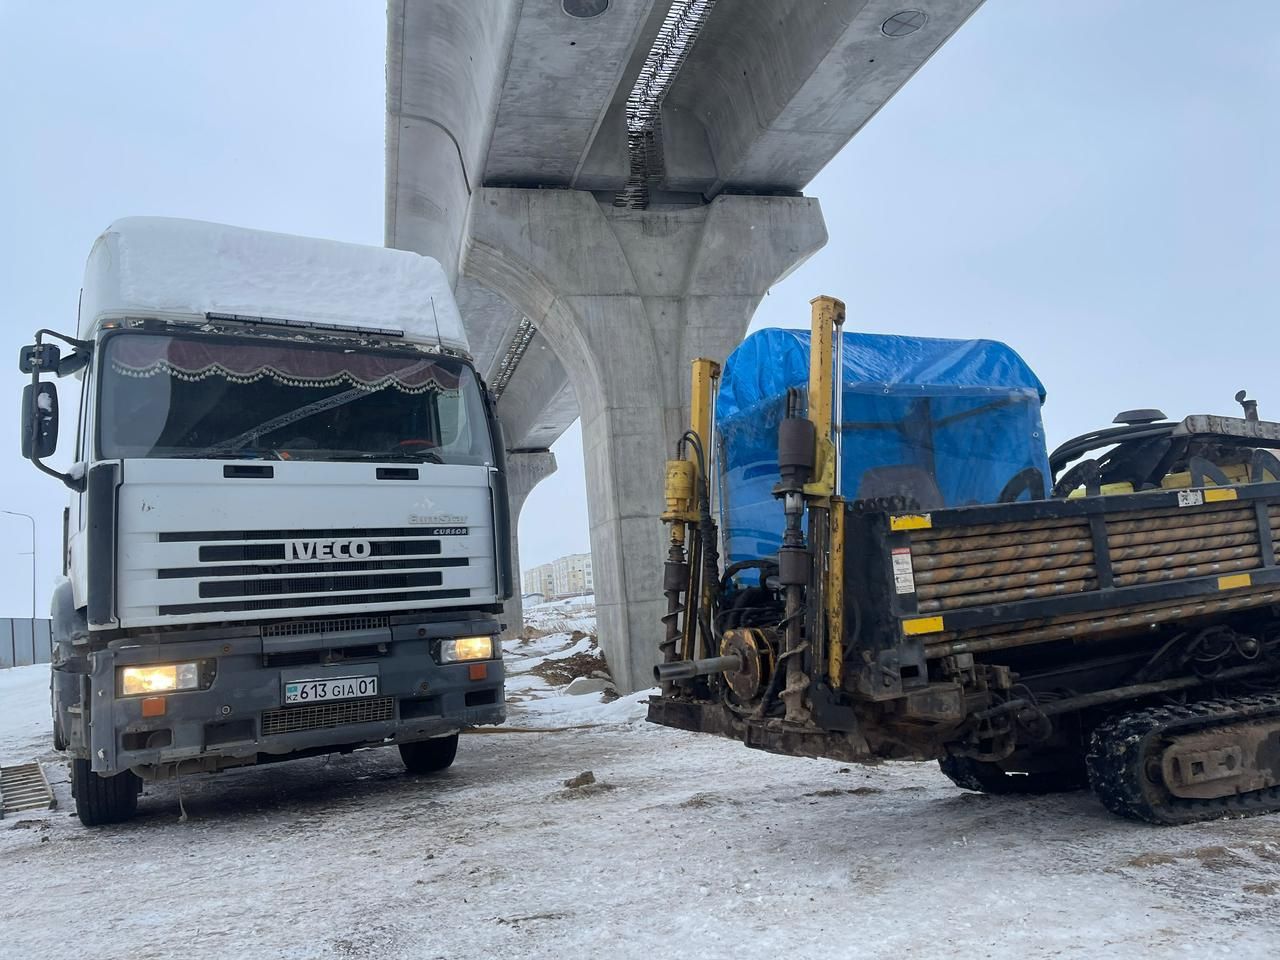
[(240, 716)]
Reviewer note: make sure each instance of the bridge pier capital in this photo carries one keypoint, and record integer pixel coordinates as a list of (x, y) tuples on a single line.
[(627, 299)]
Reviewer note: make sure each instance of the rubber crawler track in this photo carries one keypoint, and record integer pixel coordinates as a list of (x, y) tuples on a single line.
[(1118, 757)]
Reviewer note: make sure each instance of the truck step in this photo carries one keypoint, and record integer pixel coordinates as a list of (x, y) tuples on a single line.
[(23, 787)]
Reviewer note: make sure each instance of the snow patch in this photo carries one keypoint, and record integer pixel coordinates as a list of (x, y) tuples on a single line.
[(26, 730)]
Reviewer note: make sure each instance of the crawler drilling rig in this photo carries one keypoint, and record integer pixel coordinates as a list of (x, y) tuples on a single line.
[(1110, 618)]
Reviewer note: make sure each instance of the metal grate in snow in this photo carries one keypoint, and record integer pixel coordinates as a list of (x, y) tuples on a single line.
[(24, 787)]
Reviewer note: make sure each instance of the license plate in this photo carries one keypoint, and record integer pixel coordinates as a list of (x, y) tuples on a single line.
[(335, 688)]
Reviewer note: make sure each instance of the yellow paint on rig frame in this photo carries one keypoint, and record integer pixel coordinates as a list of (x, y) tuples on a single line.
[(680, 496), (826, 318), (914, 628), (1235, 581), (702, 391), (911, 521), (1218, 494), (835, 594)]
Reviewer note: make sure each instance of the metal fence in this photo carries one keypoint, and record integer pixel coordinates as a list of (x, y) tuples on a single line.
[(18, 648)]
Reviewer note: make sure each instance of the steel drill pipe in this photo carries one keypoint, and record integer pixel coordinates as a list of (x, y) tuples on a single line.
[(1008, 536), (990, 568), (1048, 552), (1008, 596), (1177, 534), (1119, 534), (1193, 539), (986, 584), (1191, 558), (1142, 570), (936, 535), (688, 669), (1126, 522), (1187, 572), (940, 567)]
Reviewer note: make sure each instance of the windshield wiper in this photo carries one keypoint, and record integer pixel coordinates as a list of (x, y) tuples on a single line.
[(224, 455), (425, 456)]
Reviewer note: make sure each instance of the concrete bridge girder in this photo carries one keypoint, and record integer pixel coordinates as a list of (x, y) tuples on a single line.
[(445, 71), (626, 299), (538, 403)]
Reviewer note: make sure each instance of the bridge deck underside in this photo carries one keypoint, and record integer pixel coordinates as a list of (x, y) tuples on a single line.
[(533, 97)]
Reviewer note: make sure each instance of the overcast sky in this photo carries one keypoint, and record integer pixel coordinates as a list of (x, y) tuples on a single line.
[(1093, 182)]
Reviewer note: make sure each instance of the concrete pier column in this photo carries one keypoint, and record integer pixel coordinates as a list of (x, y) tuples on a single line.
[(525, 470), (627, 298)]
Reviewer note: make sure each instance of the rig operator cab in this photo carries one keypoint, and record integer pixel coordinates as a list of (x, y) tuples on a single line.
[(287, 532)]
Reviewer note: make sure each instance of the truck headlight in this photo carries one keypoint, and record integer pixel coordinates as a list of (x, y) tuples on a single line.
[(164, 678), (466, 648)]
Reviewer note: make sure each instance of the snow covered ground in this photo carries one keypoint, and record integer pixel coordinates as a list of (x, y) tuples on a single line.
[(683, 846)]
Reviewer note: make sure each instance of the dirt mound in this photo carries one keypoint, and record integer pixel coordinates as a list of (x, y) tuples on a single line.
[(585, 663), (530, 634)]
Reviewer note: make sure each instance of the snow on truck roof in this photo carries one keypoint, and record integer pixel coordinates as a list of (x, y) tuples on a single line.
[(160, 266)]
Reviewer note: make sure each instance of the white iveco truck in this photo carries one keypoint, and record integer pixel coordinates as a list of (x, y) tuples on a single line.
[(288, 528)]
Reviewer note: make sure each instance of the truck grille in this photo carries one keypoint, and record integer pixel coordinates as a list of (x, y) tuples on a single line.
[(328, 600), (324, 716), (321, 627), (263, 570)]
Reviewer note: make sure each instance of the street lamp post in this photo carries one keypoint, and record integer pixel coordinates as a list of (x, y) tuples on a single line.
[(16, 513)]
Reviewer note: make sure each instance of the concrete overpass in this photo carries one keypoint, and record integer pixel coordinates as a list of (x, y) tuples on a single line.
[(613, 185)]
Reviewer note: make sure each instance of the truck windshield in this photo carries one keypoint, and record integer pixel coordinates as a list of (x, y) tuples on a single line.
[(217, 397)]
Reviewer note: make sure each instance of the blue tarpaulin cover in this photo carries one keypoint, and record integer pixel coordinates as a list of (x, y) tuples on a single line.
[(948, 422)]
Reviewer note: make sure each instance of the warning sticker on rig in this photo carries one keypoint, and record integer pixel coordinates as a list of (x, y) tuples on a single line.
[(1190, 498), (904, 579)]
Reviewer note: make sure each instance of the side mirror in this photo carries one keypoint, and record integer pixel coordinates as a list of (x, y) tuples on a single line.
[(39, 429), (39, 357)]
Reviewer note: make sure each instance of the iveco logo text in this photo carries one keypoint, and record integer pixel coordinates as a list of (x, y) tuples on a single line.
[(327, 549)]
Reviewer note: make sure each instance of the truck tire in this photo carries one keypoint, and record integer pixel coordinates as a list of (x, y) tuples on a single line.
[(429, 756), (101, 800), (983, 777)]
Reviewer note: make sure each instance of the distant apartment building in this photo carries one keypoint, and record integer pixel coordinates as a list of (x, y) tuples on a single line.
[(540, 580), (571, 575), (566, 577)]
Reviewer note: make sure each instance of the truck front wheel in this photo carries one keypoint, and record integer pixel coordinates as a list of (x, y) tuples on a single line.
[(101, 800), (429, 756)]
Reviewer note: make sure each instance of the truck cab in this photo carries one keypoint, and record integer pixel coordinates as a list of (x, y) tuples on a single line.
[(287, 531)]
